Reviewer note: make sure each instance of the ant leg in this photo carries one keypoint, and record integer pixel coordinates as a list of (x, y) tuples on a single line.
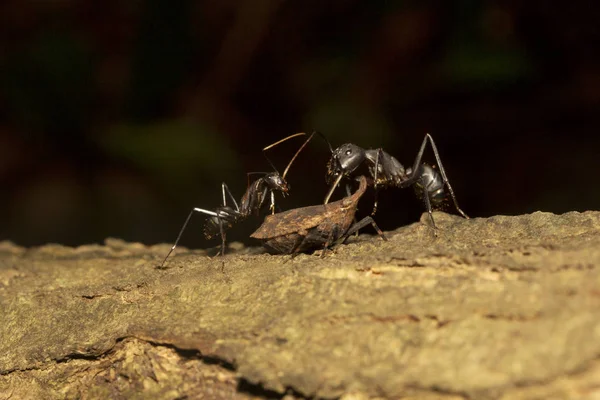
[(225, 189), (376, 196), (349, 193), (223, 235), (297, 247), (442, 171), (328, 242), (253, 199), (200, 210), (261, 201), (222, 232), (254, 173), (348, 190), (428, 206), (272, 207), (335, 184), (361, 224), (325, 139), (375, 172), (413, 176)]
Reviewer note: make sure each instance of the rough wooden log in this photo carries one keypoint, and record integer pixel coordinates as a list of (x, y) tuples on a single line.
[(498, 308)]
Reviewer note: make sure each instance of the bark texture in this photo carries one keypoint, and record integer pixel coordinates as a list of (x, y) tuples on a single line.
[(492, 308)]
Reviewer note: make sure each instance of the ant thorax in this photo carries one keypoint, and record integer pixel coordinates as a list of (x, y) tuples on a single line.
[(254, 197), (389, 170)]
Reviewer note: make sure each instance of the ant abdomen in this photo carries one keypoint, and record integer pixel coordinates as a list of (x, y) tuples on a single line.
[(431, 184), (227, 217)]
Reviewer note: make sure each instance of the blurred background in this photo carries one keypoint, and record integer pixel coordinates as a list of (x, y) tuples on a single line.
[(116, 118)]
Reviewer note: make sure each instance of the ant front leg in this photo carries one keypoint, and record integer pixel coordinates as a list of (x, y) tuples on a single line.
[(272, 206), (332, 188), (264, 197), (349, 193)]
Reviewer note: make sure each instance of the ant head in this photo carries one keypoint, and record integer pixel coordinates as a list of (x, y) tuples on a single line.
[(275, 182), (344, 160)]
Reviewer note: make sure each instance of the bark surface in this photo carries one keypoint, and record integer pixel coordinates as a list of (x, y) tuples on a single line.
[(492, 308)]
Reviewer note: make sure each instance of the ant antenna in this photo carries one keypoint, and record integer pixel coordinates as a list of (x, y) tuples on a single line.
[(304, 145), (325, 139), (270, 163), (283, 140), (299, 150), (296, 155), (257, 173), (293, 158)]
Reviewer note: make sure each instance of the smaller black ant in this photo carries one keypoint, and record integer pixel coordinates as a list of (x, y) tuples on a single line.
[(386, 171), (224, 216)]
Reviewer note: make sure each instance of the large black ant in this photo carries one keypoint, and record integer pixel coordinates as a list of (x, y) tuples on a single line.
[(386, 171), (224, 216)]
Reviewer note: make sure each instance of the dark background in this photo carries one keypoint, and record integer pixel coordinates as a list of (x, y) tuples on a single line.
[(117, 117)]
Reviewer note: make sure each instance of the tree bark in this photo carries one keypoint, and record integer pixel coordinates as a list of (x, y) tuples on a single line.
[(499, 308)]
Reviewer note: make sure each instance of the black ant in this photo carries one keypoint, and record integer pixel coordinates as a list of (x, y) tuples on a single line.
[(386, 171), (224, 216)]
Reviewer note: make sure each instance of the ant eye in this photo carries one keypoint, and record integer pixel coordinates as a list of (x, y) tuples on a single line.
[(348, 152)]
